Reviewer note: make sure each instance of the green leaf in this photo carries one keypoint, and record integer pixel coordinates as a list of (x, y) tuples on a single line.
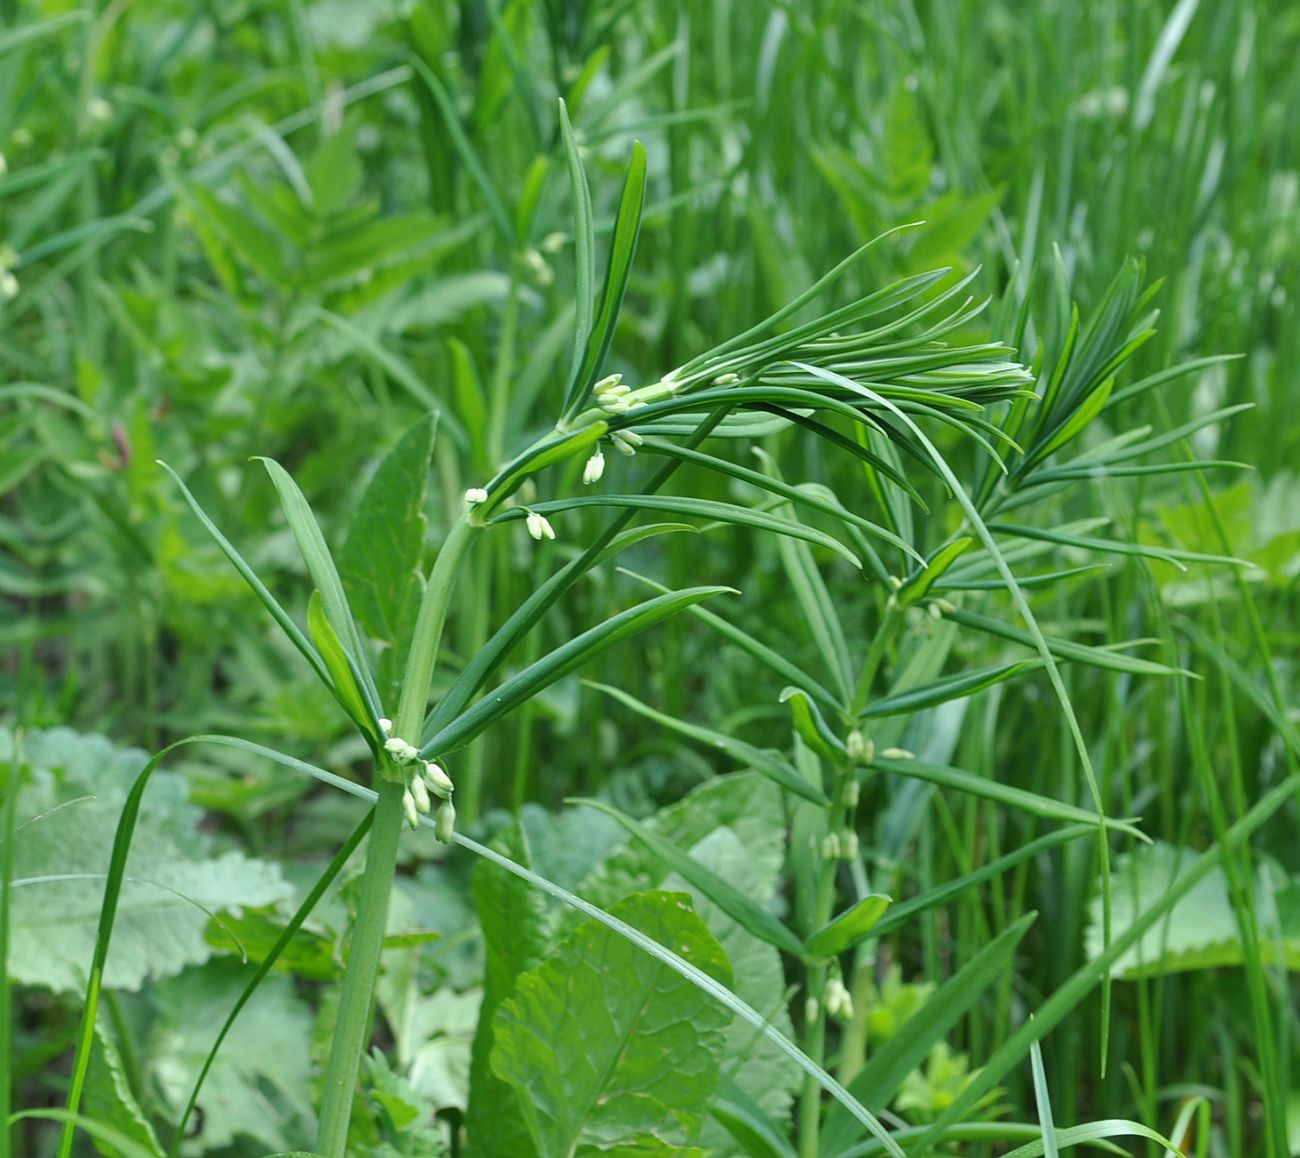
[(559, 663), (995, 790), (172, 882), (324, 574), (799, 495), (1101, 657), (729, 513), (584, 262), (609, 1048), (1202, 931), (916, 588), (380, 563), (627, 228), (941, 691), (260, 1083), (770, 764), (879, 1080), (278, 613), (812, 726), (750, 916), (850, 927), (516, 937), (465, 149), (345, 681), (111, 1101)]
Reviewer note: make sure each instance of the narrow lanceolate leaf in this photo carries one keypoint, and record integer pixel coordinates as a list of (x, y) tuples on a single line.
[(718, 512), (745, 912), (799, 495), (949, 688), (584, 260), (1012, 797), (850, 927), (609, 1047), (324, 574), (878, 1081), (278, 613), (916, 588), (812, 726), (1102, 657), (336, 659), (560, 663), (769, 657), (380, 563), (627, 228), (769, 763)]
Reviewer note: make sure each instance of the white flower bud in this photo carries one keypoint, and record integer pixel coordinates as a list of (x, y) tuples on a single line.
[(894, 581), (539, 526), (613, 405), (594, 469), (897, 754), (420, 794), (8, 285), (811, 1010), (408, 806), (831, 846), (726, 379), (856, 743), (385, 725), (409, 751), (945, 606), (445, 821), (607, 384), (394, 744), (839, 1002), (437, 779), (851, 792), (476, 495), (626, 441), (848, 845), (98, 109), (553, 242)]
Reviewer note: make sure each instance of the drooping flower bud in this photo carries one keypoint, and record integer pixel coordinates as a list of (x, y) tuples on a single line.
[(594, 468), (408, 806), (394, 744), (445, 822), (626, 441), (437, 779), (420, 793), (539, 526)]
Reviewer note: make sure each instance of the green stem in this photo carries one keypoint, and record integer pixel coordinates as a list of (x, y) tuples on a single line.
[(889, 624), (353, 1029)]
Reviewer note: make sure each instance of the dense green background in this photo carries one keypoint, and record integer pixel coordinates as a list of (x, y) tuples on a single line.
[(293, 228)]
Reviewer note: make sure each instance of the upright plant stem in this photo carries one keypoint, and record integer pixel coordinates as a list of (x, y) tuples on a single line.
[(357, 1000), (353, 1029)]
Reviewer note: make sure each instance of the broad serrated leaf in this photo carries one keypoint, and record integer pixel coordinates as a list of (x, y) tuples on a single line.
[(111, 1101), (259, 1085), (754, 918), (1202, 930), (62, 853), (380, 561), (609, 1047)]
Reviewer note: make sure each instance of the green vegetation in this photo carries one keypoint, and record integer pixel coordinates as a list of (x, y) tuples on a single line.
[(644, 579)]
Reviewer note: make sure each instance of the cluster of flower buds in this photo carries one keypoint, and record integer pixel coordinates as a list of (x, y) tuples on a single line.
[(626, 441), (424, 780), (860, 748), (611, 395), (839, 1001), (840, 845)]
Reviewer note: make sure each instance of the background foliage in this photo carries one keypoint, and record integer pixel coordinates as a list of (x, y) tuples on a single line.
[(295, 229)]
